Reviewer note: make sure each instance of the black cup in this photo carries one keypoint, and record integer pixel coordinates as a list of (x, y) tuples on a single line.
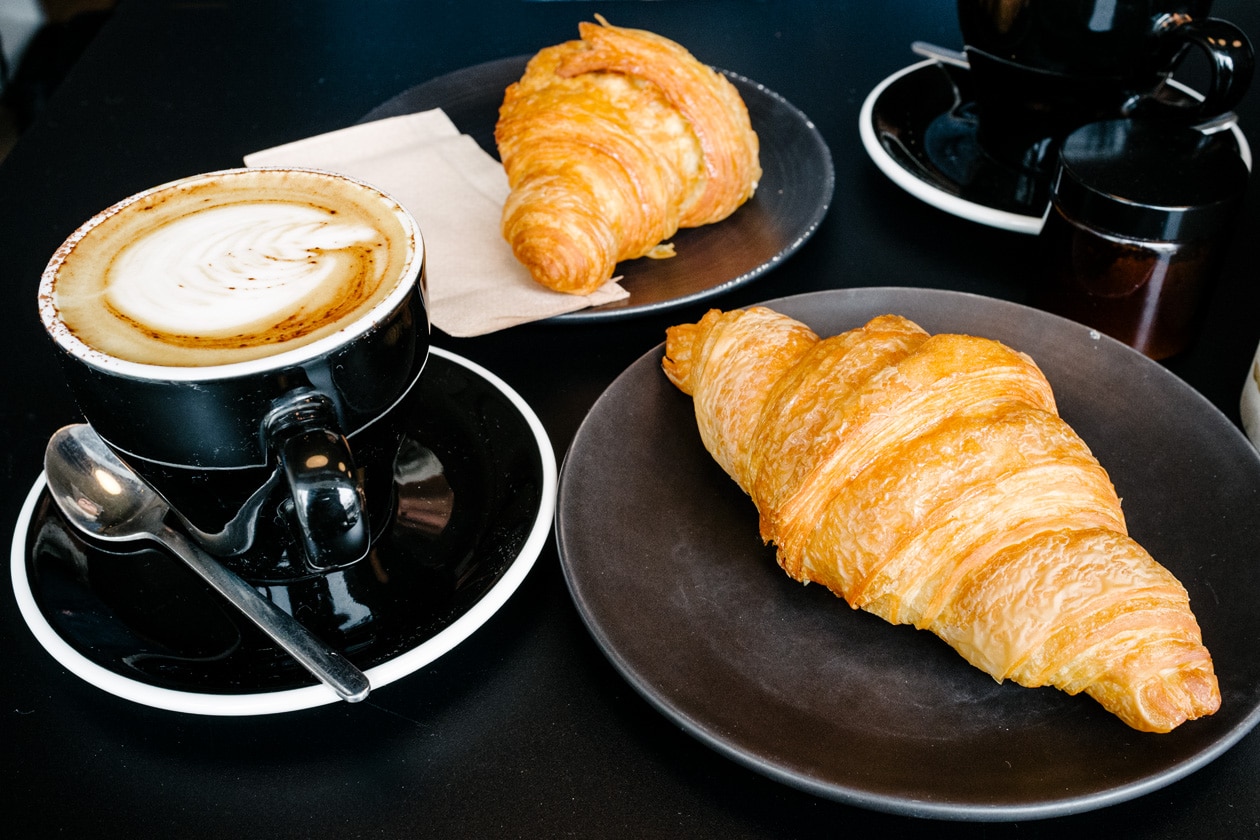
[(282, 466), (1042, 68)]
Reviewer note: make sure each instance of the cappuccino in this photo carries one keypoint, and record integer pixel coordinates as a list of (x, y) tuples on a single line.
[(227, 267)]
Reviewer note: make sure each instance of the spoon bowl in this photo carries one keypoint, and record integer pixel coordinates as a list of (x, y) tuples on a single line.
[(98, 493)]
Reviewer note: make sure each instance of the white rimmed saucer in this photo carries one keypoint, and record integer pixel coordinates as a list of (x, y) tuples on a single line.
[(918, 129), (107, 628)]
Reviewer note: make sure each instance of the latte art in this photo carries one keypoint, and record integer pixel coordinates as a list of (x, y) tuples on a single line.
[(232, 269), (238, 270)]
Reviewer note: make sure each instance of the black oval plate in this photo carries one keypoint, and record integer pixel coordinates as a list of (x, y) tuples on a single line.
[(662, 556)]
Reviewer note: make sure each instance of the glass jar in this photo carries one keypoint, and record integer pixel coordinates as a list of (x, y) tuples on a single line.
[(1141, 217)]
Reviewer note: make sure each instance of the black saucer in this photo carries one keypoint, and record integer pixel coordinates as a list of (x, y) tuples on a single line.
[(919, 127), (476, 490)]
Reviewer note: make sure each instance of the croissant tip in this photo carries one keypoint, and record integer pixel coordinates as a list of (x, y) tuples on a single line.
[(1169, 700), (677, 360), (681, 350)]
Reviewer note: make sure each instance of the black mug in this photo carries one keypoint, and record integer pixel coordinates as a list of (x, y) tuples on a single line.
[(277, 453), (1042, 68)]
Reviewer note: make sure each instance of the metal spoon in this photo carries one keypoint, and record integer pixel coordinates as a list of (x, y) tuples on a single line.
[(940, 54), (103, 497)]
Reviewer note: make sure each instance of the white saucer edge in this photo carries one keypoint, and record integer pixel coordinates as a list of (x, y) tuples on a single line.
[(290, 700), (960, 207), (107, 680), (498, 595), (921, 190)]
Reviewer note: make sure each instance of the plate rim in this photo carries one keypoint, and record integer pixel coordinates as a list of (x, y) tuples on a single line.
[(309, 696)]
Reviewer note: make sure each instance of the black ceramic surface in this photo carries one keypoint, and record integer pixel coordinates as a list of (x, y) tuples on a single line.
[(920, 128), (924, 121), (662, 556), (473, 508), (791, 199)]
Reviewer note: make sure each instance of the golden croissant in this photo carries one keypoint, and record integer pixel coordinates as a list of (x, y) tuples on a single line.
[(929, 479), (610, 144)]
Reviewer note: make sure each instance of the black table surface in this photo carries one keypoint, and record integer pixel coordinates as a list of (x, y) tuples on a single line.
[(525, 729)]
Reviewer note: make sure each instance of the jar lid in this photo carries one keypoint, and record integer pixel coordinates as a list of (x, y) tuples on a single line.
[(1147, 179)]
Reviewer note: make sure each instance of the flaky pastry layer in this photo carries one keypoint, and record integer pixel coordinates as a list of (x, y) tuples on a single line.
[(612, 143), (929, 479)]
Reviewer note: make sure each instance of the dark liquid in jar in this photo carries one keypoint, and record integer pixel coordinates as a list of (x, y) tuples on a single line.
[(1147, 294)]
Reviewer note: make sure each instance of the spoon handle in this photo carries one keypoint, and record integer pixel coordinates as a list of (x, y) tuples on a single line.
[(941, 54), (331, 667)]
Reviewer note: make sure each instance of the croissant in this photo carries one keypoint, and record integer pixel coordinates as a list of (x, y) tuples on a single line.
[(930, 480), (610, 144)]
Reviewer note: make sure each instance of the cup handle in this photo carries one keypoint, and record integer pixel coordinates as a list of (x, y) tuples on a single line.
[(326, 494), (1231, 63)]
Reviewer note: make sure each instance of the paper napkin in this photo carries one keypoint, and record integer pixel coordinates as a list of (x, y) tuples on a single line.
[(456, 192)]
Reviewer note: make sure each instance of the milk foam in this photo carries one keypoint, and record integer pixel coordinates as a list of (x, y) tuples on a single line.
[(230, 267), (224, 269)]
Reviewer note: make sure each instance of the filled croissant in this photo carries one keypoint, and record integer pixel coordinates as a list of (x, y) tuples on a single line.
[(610, 144), (929, 479)]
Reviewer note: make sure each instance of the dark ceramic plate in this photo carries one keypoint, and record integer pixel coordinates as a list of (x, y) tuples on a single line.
[(475, 503), (919, 127), (661, 553), (791, 199)]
